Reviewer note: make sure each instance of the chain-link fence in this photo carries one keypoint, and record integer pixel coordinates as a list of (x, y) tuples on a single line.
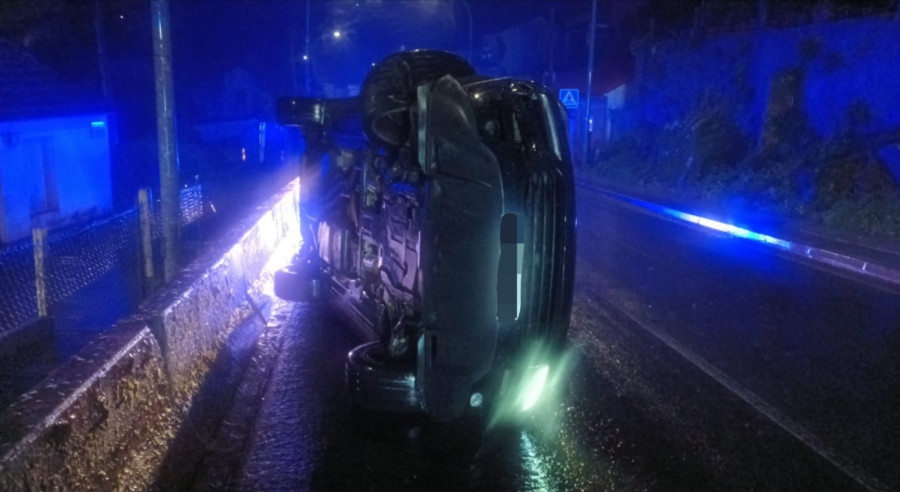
[(76, 256)]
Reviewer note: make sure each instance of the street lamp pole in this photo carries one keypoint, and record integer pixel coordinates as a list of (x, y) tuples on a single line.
[(165, 125), (469, 12), (590, 77), (306, 56)]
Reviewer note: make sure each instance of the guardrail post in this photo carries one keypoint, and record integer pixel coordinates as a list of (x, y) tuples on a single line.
[(39, 239)]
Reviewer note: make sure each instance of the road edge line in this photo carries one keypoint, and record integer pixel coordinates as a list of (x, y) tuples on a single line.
[(820, 255), (790, 425)]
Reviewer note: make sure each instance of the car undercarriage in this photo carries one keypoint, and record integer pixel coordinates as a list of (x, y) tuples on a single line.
[(438, 220)]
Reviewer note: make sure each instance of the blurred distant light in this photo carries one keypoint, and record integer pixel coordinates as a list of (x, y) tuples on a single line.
[(337, 34), (535, 386), (121, 16), (305, 57), (244, 154), (98, 124), (716, 225), (730, 229)]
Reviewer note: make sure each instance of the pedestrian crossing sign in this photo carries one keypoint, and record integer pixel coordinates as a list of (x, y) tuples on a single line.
[(569, 98)]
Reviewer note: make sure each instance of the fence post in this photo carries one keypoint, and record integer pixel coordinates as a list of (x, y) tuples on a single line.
[(39, 239), (146, 237)]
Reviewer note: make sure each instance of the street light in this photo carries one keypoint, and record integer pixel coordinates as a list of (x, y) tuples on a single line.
[(337, 34)]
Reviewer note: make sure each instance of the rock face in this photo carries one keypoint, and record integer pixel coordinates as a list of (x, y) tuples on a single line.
[(835, 74), (785, 121), (139, 401)]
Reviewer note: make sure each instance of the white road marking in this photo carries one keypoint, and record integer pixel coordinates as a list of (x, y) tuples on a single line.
[(812, 441)]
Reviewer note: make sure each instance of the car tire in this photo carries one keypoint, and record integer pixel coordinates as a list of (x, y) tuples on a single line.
[(390, 89), (378, 383), (298, 283)]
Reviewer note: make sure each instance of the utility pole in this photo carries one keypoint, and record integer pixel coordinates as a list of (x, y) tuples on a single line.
[(761, 14), (100, 38), (471, 27), (307, 56), (165, 126), (552, 45), (590, 80), (293, 59)]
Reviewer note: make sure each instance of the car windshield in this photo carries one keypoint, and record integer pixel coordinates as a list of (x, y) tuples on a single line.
[(698, 289)]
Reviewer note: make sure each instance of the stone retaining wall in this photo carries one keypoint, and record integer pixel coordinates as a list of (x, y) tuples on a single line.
[(132, 410)]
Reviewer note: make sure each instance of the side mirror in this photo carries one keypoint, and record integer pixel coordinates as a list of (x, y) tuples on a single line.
[(309, 112)]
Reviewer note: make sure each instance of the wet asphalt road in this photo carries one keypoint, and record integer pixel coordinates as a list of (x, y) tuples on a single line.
[(673, 333)]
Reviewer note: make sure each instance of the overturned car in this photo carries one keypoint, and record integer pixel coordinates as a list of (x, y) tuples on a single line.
[(438, 220)]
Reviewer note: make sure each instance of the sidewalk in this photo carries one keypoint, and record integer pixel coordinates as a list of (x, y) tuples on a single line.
[(875, 258)]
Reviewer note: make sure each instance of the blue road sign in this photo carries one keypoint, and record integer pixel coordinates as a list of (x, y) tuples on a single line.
[(569, 98)]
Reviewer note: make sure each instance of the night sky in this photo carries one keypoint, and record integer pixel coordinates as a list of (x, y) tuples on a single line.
[(265, 40), (211, 38)]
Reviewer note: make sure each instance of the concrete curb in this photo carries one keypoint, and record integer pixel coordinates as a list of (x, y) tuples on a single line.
[(124, 410), (867, 268)]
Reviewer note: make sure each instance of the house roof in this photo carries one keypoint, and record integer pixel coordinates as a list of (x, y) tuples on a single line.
[(29, 89)]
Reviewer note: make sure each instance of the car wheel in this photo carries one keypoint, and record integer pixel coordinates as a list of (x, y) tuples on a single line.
[(378, 383), (390, 89), (299, 283)]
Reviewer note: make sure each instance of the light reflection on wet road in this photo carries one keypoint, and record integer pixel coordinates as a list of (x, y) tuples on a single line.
[(633, 415), (821, 350)]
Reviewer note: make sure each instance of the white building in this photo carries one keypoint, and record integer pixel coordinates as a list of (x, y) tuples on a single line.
[(54, 149)]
